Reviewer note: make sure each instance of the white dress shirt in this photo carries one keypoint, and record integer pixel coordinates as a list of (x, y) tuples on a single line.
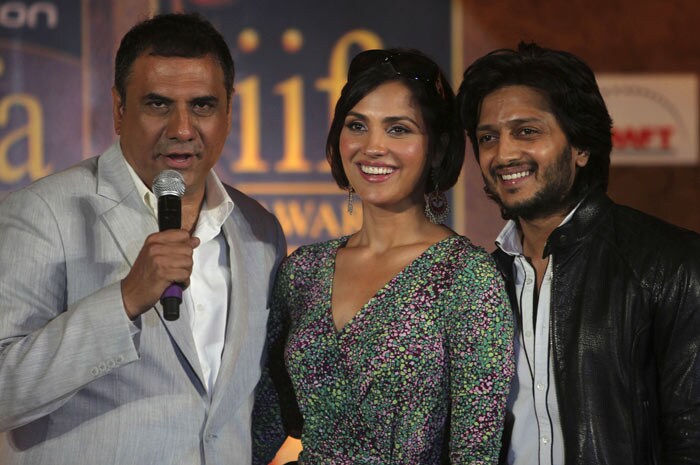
[(206, 299), (537, 437)]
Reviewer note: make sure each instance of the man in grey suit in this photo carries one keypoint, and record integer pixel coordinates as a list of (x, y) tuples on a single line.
[(90, 371)]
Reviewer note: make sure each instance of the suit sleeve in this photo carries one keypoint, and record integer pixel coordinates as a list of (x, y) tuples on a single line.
[(49, 348)]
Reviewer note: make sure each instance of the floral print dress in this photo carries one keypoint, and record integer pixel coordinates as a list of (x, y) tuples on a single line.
[(420, 373)]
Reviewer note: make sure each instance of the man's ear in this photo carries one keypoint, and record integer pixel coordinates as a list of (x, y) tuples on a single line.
[(580, 156), (117, 110), (229, 110)]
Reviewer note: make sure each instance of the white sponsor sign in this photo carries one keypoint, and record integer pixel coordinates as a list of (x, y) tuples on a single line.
[(655, 118)]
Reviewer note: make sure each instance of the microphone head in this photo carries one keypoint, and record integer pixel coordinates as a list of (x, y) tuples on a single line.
[(169, 182)]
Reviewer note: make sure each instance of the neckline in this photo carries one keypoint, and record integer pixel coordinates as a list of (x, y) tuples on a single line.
[(341, 243)]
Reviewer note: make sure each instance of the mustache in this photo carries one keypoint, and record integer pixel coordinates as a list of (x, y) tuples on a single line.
[(529, 165), (174, 148)]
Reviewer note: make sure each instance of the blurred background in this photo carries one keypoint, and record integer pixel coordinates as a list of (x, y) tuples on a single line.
[(56, 72)]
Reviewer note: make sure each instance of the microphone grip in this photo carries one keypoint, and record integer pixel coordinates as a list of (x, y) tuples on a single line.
[(170, 300), (169, 217)]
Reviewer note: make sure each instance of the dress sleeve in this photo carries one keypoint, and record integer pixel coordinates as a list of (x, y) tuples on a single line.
[(480, 334), (276, 414)]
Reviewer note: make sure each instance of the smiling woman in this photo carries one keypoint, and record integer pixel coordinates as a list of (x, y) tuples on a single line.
[(384, 148), (378, 337)]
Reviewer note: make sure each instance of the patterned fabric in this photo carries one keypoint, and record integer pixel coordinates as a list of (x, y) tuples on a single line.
[(425, 363)]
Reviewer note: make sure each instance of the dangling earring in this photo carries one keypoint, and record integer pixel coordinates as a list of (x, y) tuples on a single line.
[(436, 206), (351, 193)]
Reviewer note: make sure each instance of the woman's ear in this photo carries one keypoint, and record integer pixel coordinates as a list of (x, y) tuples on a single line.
[(440, 150)]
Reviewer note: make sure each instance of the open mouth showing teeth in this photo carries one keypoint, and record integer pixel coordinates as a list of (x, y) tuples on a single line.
[(376, 169), (512, 176)]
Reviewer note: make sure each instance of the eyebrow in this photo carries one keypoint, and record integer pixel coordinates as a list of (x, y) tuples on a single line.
[(509, 123), (388, 119), (204, 99), (154, 96)]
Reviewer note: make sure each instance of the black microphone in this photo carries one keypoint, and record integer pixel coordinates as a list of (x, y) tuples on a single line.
[(169, 187)]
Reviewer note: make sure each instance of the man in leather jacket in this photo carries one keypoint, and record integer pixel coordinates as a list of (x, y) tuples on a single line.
[(606, 298)]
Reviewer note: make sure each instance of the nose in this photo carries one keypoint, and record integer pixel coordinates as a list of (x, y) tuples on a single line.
[(376, 143), (507, 149), (180, 125)]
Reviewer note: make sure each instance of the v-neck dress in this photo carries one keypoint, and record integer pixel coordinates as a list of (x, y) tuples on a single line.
[(426, 362)]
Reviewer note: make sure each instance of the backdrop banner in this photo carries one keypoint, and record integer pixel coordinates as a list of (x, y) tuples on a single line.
[(291, 58)]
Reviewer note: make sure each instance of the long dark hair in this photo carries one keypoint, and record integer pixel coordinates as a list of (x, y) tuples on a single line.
[(429, 88), (571, 90)]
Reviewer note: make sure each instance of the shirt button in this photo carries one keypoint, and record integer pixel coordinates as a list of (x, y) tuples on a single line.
[(528, 333), (528, 281), (540, 386), (545, 439), (200, 307)]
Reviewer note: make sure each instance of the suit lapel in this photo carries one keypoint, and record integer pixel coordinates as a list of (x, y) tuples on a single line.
[(237, 322), (126, 216), (181, 332), (129, 221)]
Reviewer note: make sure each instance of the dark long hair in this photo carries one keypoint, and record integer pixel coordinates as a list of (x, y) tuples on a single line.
[(568, 85), (434, 97)]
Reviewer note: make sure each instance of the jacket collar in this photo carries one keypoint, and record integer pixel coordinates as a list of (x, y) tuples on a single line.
[(585, 220)]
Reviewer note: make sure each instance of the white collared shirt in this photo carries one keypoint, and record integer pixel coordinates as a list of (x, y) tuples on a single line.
[(537, 437), (206, 299)]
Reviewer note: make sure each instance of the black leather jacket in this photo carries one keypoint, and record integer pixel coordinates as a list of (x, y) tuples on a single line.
[(625, 335)]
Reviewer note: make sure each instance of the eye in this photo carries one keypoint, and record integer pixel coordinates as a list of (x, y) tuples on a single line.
[(157, 104), (398, 130), (485, 139), (528, 131), (355, 126), (204, 107)]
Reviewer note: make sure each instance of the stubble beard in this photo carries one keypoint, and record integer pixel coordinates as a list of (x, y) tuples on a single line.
[(555, 197)]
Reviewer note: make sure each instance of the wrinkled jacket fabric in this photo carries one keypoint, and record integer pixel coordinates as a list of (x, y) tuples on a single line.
[(625, 335)]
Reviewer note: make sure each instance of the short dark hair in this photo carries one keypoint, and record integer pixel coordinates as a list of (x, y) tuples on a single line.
[(569, 86), (172, 35), (434, 97)]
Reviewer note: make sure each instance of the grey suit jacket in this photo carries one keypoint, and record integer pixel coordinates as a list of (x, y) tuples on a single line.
[(79, 382)]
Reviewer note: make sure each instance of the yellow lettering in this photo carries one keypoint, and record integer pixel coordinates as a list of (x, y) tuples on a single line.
[(293, 160), (294, 217), (337, 69), (312, 221), (32, 132), (250, 160), (325, 221)]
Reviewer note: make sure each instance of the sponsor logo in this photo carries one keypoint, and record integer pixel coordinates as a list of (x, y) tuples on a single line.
[(654, 117), (20, 15)]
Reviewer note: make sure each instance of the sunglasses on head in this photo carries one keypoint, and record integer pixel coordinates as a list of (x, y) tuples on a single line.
[(406, 64)]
